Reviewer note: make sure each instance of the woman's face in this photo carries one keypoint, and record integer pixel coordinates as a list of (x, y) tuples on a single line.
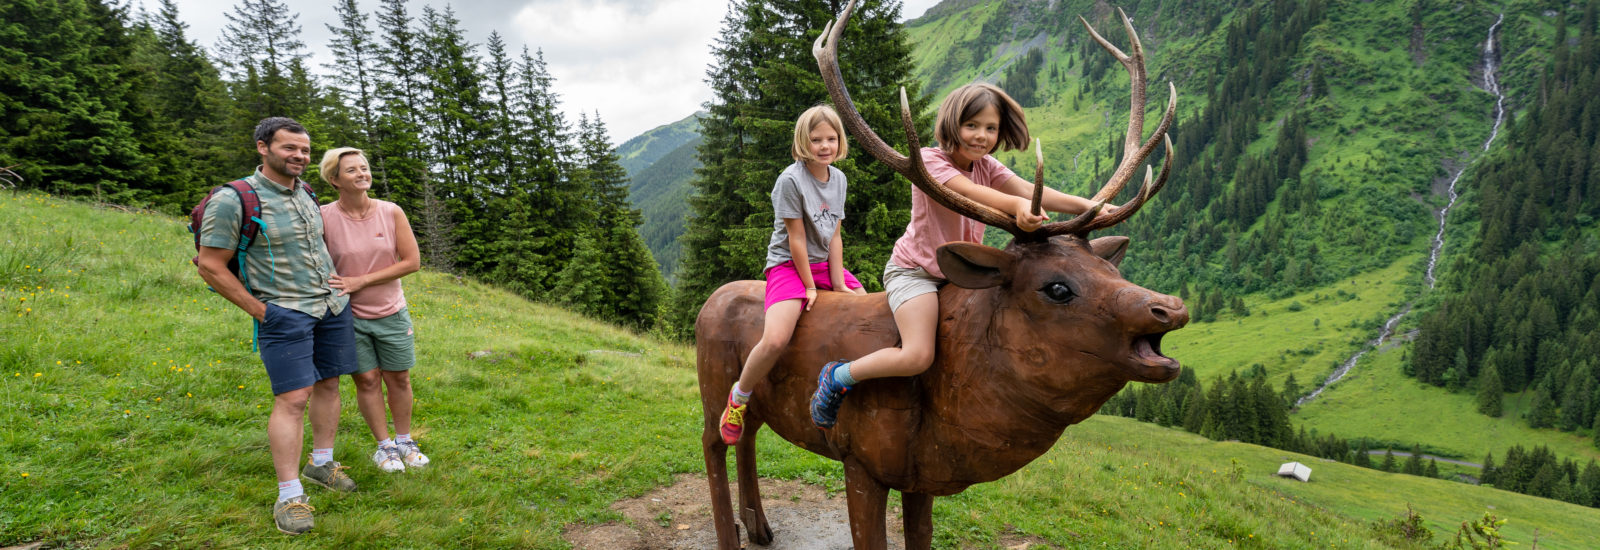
[(354, 174)]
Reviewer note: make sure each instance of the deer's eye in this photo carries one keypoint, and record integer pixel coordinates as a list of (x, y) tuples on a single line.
[(1058, 292)]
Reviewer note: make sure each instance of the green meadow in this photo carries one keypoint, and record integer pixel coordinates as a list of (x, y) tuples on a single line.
[(135, 415)]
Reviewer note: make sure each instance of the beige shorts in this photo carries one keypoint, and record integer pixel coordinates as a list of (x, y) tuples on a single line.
[(904, 284)]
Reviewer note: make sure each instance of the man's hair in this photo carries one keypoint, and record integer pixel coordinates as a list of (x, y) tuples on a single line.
[(268, 128), (965, 102), (332, 158), (820, 114)]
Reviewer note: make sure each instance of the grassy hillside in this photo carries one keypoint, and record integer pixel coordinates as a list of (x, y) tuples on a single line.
[(135, 415), (645, 149)]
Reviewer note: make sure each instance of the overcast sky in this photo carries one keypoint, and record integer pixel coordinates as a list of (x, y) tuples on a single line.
[(639, 63)]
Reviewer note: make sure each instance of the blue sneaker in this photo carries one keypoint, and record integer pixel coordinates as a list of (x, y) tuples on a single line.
[(830, 393)]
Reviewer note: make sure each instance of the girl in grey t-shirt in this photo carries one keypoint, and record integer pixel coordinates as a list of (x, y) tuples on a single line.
[(806, 252)]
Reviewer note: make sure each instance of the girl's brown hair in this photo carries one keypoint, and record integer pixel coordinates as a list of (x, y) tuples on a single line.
[(965, 102)]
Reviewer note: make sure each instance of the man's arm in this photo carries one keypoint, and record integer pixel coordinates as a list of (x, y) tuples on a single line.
[(213, 263)]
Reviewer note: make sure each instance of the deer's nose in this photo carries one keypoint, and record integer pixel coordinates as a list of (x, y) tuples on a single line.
[(1169, 311)]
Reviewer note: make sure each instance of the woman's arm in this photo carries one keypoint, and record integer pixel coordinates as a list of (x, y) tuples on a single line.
[(801, 259), (405, 247)]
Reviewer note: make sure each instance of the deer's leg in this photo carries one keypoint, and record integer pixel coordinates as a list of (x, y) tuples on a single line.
[(918, 509), (867, 500), (750, 510), (716, 453)]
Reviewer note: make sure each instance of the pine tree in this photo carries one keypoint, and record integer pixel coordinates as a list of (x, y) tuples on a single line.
[(1388, 461), (262, 60), (1414, 462), (1363, 456), (354, 56), (63, 117), (1490, 393), (189, 102), (1542, 413), (764, 77), (1488, 473), (612, 275), (1433, 469)]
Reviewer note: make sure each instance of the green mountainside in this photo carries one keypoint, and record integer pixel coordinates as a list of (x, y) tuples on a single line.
[(647, 148), (139, 407)]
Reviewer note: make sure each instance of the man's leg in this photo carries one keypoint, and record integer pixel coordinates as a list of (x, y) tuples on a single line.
[(286, 432), (324, 412)]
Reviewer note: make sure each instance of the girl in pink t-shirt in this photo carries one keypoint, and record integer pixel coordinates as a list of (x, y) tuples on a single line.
[(972, 122), (373, 247)]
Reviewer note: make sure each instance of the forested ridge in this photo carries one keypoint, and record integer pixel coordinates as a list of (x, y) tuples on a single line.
[(107, 103)]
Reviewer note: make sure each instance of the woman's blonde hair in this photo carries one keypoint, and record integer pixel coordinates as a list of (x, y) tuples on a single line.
[(965, 102), (808, 121), (329, 166)]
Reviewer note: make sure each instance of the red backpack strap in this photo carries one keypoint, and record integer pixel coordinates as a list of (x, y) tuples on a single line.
[(250, 204)]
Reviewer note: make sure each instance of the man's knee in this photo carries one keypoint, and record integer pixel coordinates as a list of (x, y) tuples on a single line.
[(398, 380), (293, 400)]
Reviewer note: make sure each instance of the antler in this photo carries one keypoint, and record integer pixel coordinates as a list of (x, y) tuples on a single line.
[(1132, 158), (826, 50)]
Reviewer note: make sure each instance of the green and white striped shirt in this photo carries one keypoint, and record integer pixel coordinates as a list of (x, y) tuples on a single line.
[(288, 263)]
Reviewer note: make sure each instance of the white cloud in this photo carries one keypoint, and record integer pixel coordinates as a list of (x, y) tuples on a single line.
[(640, 66)]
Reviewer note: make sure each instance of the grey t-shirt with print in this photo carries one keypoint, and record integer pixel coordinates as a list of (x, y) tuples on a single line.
[(797, 194)]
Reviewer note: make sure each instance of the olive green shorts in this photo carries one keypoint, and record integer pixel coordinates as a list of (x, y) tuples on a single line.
[(385, 342)]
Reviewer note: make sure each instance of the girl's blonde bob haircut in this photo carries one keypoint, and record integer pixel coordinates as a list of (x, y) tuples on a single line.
[(965, 102), (808, 121), (329, 166)]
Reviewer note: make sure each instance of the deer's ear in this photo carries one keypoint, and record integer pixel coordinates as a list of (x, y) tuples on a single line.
[(972, 265), (1110, 249)]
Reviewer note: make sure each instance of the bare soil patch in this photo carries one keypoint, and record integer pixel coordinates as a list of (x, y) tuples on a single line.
[(802, 516)]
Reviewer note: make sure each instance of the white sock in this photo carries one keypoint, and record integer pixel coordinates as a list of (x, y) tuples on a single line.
[(402, 438), (289, 489), (739, 395), (321, 456), (386, 443)]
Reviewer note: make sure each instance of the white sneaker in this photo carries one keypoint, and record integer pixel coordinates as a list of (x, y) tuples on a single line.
[(413, 454), (388, 459)]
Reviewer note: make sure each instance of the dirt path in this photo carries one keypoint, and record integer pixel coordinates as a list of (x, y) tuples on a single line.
[(678, 517)]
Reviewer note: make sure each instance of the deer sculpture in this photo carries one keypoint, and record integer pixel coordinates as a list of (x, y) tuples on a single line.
[(1031, 339)]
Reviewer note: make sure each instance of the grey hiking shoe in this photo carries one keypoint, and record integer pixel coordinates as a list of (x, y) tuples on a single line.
[(388, 459), (330, 475), (293, 516), (413, 454)]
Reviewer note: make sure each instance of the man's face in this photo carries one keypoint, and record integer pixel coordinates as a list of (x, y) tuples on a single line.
[(287, 154)]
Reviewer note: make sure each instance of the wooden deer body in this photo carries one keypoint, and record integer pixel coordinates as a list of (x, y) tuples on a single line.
[(1031, 339)]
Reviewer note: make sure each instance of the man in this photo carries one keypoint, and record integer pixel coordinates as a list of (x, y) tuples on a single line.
[(303, 327)]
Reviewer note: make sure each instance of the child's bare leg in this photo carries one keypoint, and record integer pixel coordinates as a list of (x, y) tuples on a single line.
[(918, 321), (776, 329)]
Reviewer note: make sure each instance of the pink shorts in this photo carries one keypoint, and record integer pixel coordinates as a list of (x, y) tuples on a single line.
[(783, 282)]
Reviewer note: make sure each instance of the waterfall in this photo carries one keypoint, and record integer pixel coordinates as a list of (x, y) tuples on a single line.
[(1491, 84)]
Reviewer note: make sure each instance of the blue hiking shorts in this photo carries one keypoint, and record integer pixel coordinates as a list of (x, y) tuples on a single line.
[(299, 350)]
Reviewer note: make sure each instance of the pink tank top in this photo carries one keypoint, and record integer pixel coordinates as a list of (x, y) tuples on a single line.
[(364, 246)]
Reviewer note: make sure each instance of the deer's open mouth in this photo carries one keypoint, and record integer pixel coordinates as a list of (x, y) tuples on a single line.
[(1157, 367)]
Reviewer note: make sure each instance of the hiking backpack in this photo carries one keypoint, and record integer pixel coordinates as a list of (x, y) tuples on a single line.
[(249, 227)]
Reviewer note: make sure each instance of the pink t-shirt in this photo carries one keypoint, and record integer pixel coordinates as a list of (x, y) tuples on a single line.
[(932, 225), (364, 246)]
